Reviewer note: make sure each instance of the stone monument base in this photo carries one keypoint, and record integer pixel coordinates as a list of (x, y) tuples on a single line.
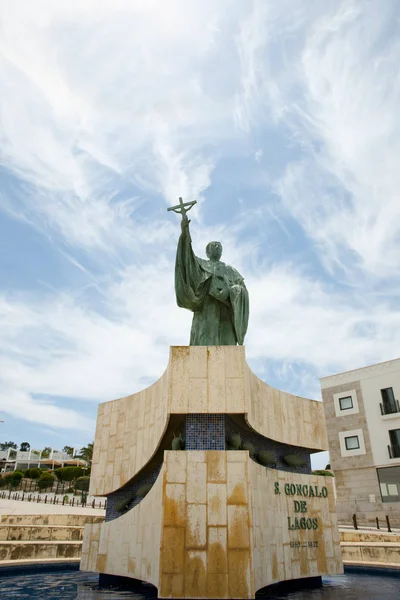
[(211, 521)]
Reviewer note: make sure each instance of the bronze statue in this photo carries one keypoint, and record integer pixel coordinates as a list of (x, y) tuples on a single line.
[(214, 291)]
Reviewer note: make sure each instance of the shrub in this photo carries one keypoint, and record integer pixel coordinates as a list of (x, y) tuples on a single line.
[(235, 441), (323, 472), (33, 473), (13, 478), (265, 458), (294, 460), (17, 477), (68, 473), (248, 446), (178, 443), (3, 482), (82, 484), (45, 481)]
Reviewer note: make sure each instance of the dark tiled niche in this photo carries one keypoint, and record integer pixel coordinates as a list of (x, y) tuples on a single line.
[(237, 424), (205, 432)]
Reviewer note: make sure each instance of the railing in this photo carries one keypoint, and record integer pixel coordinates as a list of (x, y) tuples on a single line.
[(65, 500), (389, 408), (394, 451), (382, 523), (31, 485)]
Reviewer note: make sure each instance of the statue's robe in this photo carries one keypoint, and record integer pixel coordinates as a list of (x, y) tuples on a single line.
[(216, 322)]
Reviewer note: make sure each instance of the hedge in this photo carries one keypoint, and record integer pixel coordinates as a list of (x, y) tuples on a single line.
[(33, 473), (68, 473), (82, 484), (46, 480)]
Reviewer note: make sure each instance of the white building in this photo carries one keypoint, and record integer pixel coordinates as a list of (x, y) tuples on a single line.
[(12, 460), (363, 421)]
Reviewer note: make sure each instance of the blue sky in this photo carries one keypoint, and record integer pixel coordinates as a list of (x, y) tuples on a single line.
[(280, 117)]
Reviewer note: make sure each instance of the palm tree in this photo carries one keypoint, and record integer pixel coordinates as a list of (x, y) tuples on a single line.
[(86, 453)]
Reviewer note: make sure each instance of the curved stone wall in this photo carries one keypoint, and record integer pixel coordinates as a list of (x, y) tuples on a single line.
[(284, 417), (128, 546), (128, 433)]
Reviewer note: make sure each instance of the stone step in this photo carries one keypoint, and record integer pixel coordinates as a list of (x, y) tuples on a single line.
[(20, 532), (355, 563), (369, 536), (371, 552), (23, 550), (77, 520), (38, 561)]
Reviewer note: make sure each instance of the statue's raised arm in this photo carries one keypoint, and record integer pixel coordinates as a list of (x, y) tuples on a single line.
[(213, 291)]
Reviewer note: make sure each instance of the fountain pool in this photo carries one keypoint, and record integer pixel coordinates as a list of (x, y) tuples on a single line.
[(67, 583)]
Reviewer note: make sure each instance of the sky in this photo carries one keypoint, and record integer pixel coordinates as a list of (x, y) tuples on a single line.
[(280, 117)]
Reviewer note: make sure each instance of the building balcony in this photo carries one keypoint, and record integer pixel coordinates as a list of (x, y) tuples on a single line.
[(394, 450), (390, 408)]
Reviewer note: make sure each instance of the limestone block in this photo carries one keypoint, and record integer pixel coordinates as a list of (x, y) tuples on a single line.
[(217, 550), (216, 504), (196, 528)]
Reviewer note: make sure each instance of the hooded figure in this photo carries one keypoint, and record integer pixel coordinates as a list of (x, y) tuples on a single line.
[(214, 291)]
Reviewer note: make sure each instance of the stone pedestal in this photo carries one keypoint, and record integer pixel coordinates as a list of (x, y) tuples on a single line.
[(207, 522)]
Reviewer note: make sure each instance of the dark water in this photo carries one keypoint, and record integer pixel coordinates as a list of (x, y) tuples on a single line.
[(74, 585)]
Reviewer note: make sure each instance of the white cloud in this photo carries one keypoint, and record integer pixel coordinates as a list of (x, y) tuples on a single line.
[(106, 108), (343, 106), (60, 347), (18, 404), (103, 97)]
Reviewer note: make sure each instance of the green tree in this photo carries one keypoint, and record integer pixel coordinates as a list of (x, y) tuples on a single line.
[(68, 450), (45, 481), (86, 453), (68, 473), (24, 447), (33, 473), (46, 452), (7, 445), (14, 478), (82, 484)]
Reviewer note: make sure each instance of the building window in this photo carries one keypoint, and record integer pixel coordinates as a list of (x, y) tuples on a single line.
[(346, 403), (389, 483), (352, 442), (394, 447), (389, 403)]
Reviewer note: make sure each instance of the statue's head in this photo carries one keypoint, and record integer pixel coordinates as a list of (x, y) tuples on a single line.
[(214, 251)]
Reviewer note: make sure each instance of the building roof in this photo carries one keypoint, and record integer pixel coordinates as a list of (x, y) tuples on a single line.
[(360, 373)]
